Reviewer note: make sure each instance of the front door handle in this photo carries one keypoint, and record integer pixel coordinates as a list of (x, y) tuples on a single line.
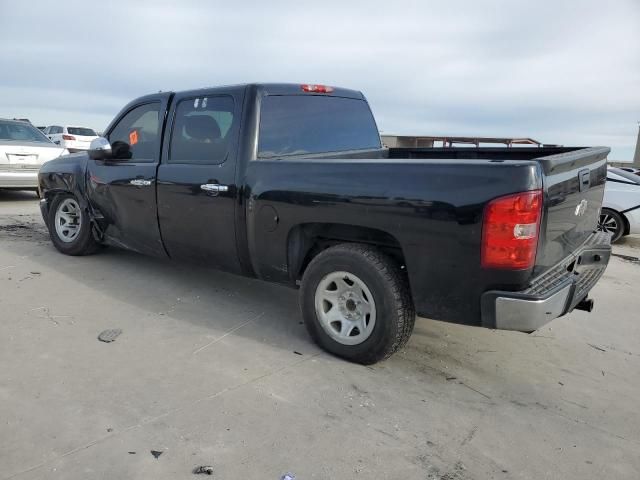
[(140, 183), (214, 188)]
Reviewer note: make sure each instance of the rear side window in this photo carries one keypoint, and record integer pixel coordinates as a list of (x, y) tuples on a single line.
[(303, 124), (202, 130)]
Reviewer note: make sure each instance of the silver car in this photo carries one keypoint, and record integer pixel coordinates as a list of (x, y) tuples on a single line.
[(23, 150)]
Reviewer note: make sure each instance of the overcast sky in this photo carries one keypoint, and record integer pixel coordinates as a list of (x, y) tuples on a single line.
[(560, 71)]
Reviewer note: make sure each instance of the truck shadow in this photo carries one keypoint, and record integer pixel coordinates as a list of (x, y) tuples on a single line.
[(221, 302), (17, 196)]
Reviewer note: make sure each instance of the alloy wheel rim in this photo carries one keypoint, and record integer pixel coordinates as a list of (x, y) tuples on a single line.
[(607, 223), (345, 308), (68, 220)]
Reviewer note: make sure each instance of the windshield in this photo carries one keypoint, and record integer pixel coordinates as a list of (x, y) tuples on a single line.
[(632, 177), (21, 131), (83, 132)]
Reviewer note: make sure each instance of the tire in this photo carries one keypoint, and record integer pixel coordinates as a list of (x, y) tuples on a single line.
[(81, 242), (612, 222), (356, 303)]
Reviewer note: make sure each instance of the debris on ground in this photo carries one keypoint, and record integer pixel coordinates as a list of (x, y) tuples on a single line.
[(156, 454), (203, 470), (596, 347), (109, 336), (296, 352), (626, 258), (131, 453), (288, 476), (451, 378)]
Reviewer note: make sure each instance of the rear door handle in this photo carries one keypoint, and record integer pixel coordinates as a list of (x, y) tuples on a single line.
[(214, 188), (140, 183)]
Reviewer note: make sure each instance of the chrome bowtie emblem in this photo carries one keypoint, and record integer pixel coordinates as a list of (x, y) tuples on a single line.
[(581, 208)]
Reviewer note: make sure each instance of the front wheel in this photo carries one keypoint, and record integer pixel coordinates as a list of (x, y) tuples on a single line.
[(611, 222), (70, 227), (356, 303)]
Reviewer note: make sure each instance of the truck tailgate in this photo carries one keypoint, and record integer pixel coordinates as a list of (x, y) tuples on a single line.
[(573, 185)]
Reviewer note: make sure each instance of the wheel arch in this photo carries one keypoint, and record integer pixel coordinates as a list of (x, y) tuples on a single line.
[(306, 240)]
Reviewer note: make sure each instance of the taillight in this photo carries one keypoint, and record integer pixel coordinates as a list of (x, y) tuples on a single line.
[(510, 231), (68, 137), (316, 88)]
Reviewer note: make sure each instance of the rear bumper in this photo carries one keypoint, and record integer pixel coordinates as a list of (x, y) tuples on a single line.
[(19, 179), (551, 295)]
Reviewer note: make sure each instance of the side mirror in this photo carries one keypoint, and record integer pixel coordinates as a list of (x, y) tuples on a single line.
[(100, 149)]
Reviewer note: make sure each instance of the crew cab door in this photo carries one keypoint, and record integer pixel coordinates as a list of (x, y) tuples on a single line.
[(197, 191), (121, 190)]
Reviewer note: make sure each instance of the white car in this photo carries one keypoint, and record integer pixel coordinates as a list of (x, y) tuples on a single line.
[(23, 150), (620, 214), (74, 139)]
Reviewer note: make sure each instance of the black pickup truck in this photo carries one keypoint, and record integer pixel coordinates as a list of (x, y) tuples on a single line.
[(290, 184)]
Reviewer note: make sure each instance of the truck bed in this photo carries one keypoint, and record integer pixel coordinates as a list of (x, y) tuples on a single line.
[(431, 201)]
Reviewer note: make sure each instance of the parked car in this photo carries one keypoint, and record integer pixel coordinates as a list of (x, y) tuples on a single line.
[(290, 184), (74, 139), (633, 170), (23, 150), (620, 213)]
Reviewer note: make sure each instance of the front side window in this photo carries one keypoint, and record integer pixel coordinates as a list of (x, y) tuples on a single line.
[(201, 131), (306, 124), (136, 135)]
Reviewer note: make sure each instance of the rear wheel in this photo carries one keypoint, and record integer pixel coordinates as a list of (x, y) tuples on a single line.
[(70, 227), (611, 222), (356, 303)]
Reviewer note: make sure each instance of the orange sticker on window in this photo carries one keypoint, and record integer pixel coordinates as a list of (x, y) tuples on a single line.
[(133, 137)]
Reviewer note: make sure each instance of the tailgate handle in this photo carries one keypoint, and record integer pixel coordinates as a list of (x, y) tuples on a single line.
[(584, 179)]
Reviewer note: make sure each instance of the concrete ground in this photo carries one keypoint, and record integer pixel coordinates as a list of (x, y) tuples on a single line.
[(213, 369)]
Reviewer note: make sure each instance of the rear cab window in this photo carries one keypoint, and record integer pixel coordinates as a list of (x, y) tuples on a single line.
[(309, 124), (21, 132)]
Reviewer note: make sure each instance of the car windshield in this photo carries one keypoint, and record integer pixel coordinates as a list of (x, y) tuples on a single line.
[(83, 132), (21, 132), (632, 177)]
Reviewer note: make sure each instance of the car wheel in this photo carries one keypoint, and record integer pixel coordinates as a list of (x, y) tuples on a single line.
[(356, 303), (70, 227), (611, 222)]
